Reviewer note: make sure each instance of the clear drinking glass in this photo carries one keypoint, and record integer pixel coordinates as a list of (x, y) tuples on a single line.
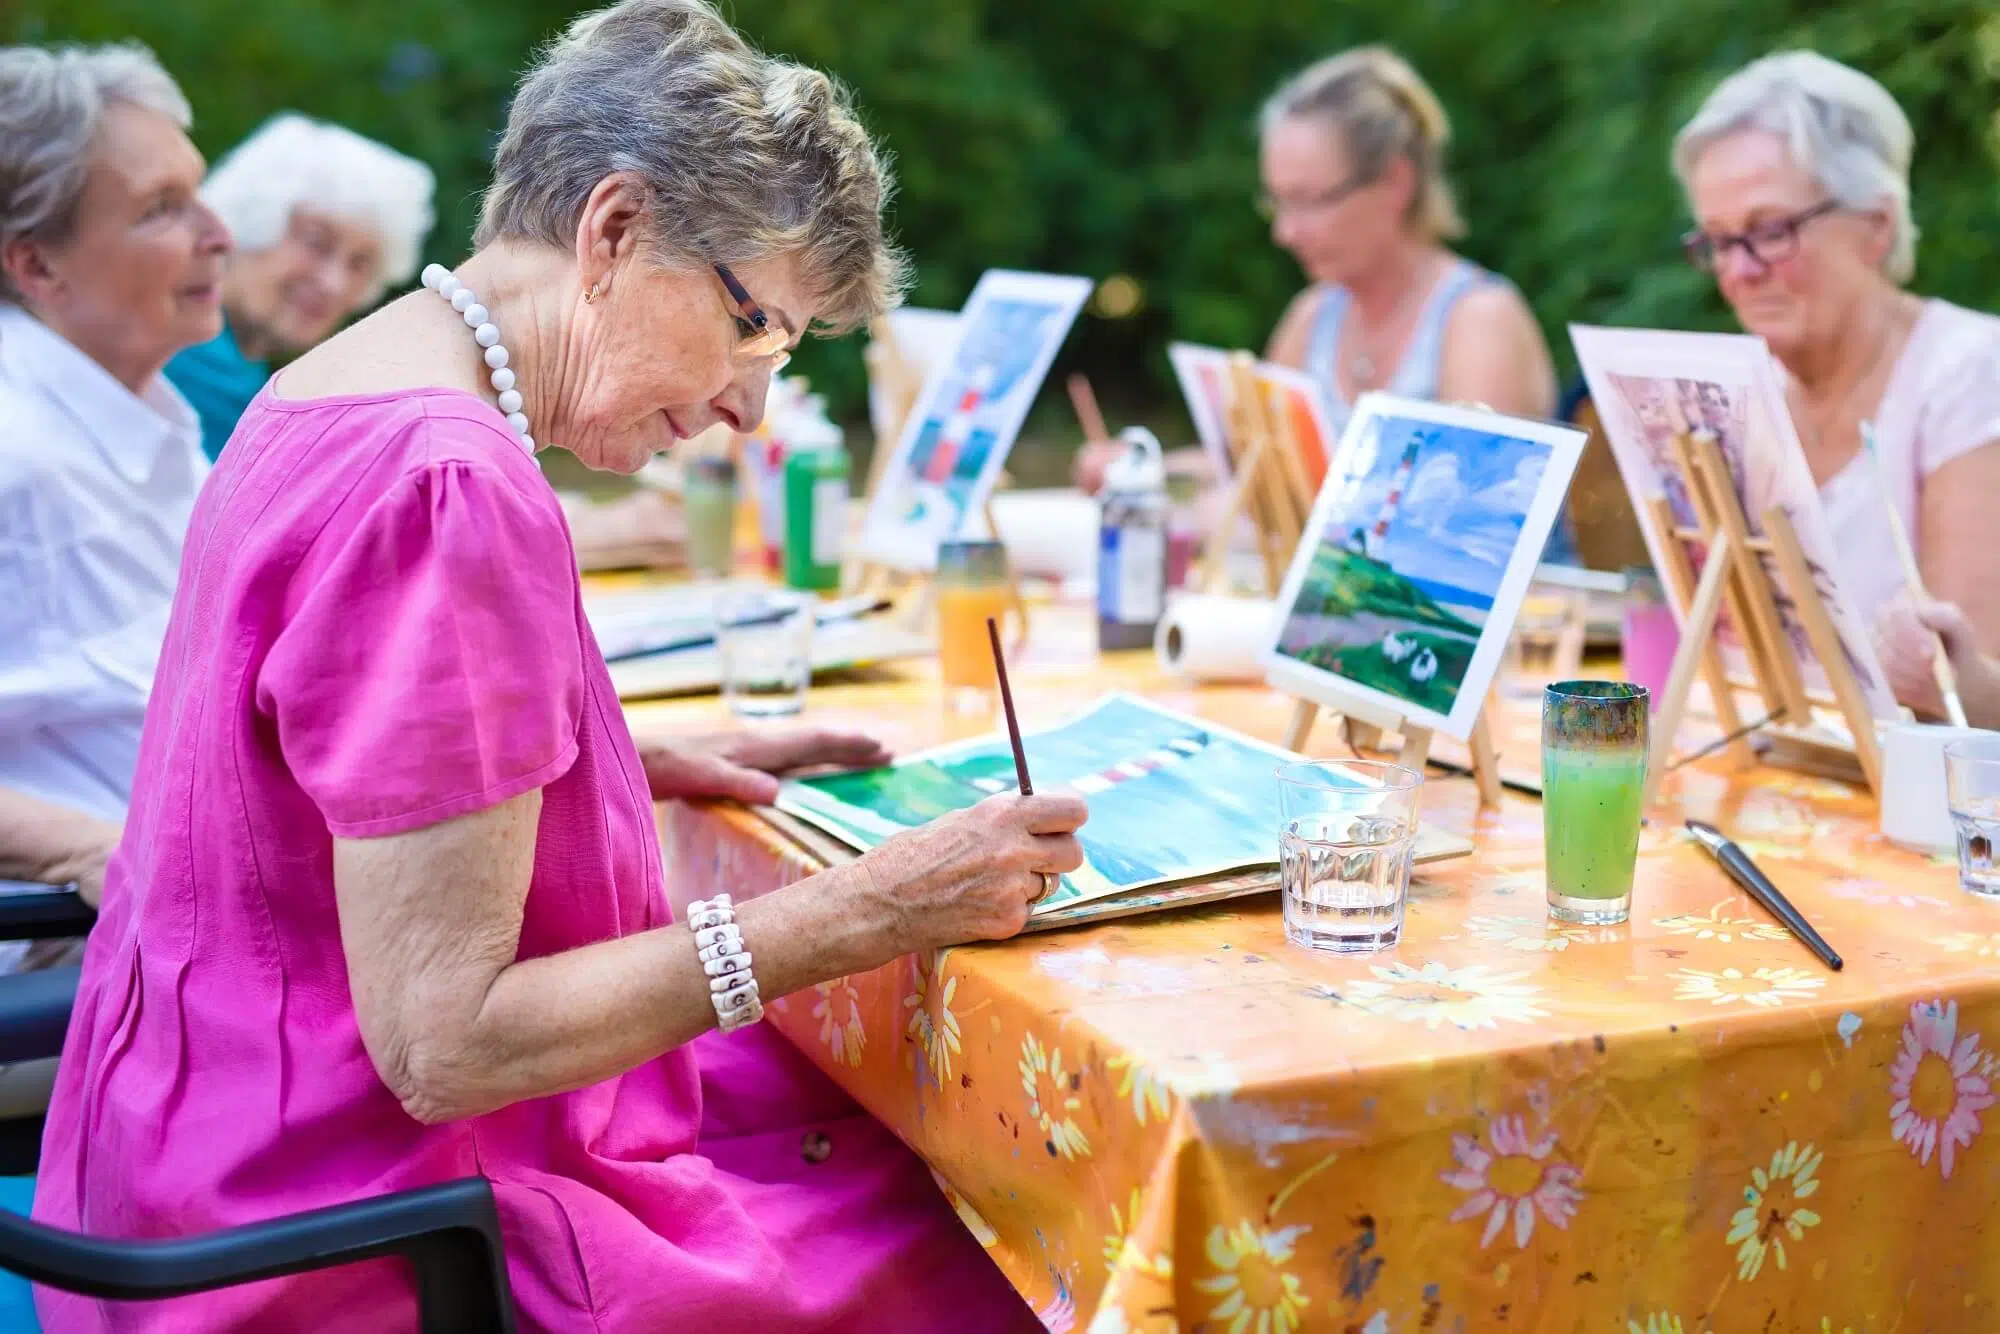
[(1972, 784), (765, 642), (1594, 740), (1346, 835)]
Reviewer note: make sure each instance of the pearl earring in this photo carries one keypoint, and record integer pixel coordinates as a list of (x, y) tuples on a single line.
[(590, 297)]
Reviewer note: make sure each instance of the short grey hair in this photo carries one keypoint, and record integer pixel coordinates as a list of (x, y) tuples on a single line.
[(1382, 110), (51, 102), (1840, 126), (743, 157), (292, 162)]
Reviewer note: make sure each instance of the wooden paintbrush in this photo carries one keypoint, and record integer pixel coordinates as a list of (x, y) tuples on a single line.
[(1941, 668), (1007, 704)]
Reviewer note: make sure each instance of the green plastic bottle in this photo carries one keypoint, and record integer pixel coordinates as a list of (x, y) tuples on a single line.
[(816, 473)]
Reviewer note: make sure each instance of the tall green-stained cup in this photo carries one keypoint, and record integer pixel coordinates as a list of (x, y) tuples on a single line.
[(1594, 740)]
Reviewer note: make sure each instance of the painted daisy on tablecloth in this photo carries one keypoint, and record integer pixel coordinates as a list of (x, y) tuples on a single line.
[(932, 1024), (1052, 1098), (1719, 924), (1512, 1175), (1659, 1323), (1434, 995), (1938, 1085), (1148, 1091), (1879, 894), (1122, 1253), (1766, 987), (838, 1010), (1531, 934), (1980, 944), (1058, 1314), (1258, 1294), (1773, 1208)]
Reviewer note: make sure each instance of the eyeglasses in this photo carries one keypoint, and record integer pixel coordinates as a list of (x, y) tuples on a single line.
[(1766, 244), (1270, 206), (762, 340)]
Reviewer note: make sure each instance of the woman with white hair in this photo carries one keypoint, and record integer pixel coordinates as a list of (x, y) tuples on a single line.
[(390, 907), (1797, 172), (109, 264), (324, 220)]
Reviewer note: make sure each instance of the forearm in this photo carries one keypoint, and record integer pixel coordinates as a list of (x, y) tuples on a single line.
[(565, 1021), (47, 844)]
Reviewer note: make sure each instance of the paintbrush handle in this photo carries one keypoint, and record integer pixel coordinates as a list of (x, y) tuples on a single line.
[(1007, 706), (1906, 552), (1745, 873)]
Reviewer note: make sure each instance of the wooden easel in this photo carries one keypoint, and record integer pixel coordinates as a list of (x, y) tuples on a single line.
[(1735, 574), (1267, 480), (1366, 725), (916, 591)]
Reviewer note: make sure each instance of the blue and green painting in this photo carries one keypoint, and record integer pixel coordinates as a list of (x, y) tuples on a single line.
[(1411, 553), (1171, 797)]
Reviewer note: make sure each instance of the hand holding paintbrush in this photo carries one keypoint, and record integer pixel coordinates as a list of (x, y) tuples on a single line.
[(1941, 668)]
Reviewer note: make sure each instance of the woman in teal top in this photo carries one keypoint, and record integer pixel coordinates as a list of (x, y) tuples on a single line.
[(324, 221)]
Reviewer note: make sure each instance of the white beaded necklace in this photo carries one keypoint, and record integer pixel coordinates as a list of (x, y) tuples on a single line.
[(487, 334)]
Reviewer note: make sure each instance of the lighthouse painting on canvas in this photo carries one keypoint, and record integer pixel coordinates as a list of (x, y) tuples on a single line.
[(949, 454), (1421, 545)]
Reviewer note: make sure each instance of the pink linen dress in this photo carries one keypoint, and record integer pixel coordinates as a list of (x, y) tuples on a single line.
[(379, 626)]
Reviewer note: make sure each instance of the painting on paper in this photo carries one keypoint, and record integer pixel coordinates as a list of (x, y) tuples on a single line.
[(1171, 797), (954, 442), (1652, 386), (1298, 405), (1203, 373), (1420, 548)]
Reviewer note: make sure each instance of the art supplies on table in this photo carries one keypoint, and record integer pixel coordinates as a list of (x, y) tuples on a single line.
[(1208, 637), (1401, 598), (660, 641), (1706, 445), (815, 513), (954, 440), (1759, 887), (708, 496), (1173, 799), (1132, 545)]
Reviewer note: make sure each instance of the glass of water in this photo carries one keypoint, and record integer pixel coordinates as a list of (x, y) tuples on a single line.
[(765, 642), (1972, 784), (1347, 831)]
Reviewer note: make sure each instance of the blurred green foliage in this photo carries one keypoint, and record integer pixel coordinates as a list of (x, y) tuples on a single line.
[(1116, 136)]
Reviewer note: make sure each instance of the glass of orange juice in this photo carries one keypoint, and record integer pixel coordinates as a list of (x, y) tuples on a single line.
[(972, 584)]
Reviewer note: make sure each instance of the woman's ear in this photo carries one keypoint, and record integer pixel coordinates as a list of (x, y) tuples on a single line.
[(607, 232), (28, 269)]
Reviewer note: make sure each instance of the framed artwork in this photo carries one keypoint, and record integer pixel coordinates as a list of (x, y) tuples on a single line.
[(1650, 386), (1203, 373), (955, 441), (1421, 545)]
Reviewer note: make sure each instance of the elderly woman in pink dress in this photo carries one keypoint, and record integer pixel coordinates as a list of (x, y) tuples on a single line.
[(389, 909), (1797, 170)]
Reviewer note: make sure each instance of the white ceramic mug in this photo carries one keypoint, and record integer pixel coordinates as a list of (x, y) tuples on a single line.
[(1916, 812)]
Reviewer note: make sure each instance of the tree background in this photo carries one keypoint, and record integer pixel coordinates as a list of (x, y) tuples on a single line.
[(1116, 137)]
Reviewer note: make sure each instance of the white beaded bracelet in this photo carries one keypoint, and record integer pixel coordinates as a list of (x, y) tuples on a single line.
[(732, 986)]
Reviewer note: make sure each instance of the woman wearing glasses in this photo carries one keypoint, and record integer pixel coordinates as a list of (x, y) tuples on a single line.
[(1353, 167), (1797, 172), (389, 909)]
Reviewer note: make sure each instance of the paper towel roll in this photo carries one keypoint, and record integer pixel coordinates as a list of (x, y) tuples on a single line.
[(1213, 638), (1916, 810)]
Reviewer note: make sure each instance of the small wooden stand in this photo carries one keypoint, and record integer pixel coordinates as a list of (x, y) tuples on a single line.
[(915, 590), (1366, 726), (1735, 574), (1267, 479)]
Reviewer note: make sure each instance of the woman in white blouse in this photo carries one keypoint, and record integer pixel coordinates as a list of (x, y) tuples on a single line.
[(109, 264), (1797, 171)]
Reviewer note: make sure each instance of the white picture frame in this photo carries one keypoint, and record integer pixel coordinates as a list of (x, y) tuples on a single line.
[(969, 412), (1455, 505), (1745, 408)]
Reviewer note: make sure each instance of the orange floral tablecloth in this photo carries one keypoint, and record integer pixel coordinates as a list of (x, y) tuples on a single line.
[(1679, 1125)]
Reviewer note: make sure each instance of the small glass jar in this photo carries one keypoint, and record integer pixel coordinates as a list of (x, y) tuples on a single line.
[(710, 499)]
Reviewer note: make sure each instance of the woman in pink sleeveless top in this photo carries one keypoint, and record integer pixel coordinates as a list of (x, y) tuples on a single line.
[(1797, 171), (390, 909)]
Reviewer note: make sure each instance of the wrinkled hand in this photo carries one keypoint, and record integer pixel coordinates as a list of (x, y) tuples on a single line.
[(971, 874), (85, 866), (745, 766), (1907, 636)]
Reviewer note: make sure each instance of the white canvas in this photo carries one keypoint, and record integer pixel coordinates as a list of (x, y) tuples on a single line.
[(924, 340), (1203, 373), (1648, 385), (1424, 538), (951, 449)]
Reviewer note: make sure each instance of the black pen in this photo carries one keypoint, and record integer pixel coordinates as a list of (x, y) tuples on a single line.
[(1745, 873)]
